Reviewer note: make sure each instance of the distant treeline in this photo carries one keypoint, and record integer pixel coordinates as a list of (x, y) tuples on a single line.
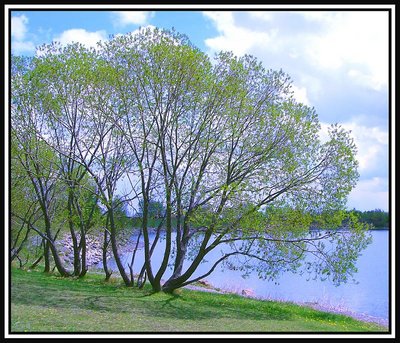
[(156, 210), (378, 218)]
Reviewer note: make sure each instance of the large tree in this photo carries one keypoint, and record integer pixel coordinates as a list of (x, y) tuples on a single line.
[(236, 162), (223, 140)]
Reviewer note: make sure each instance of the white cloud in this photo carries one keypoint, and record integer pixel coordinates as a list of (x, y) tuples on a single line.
[(369, 195), (233, 37), (371, 191), (357, 41), (18, 27), (372, 145), (89, 39), (354, 42), (19, 32), (319, 16), (125, 18), (376, 82), (300, 94), (263, 15)]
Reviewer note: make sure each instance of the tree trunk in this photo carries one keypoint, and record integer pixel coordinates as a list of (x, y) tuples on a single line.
[(105, 245), (142, 275), (114, 248), (177, 280), (133, 258), (181, 248), (54, 252), (46, 253), (83, 247), (77, 260), (76, 250), (147, 251), (164, 263), (57, 261), (34, 264)]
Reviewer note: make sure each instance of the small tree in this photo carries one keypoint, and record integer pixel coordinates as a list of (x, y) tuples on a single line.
[(25, 209)]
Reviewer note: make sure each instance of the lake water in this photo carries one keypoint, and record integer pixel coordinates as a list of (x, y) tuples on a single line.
[(370, 295)]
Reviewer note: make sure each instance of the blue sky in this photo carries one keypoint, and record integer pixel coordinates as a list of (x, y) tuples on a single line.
[(338, 61)]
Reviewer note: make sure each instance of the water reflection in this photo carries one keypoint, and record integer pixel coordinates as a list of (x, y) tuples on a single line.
[(369, 295)]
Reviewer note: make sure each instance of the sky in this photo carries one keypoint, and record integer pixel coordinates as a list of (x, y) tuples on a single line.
[(338, 61)]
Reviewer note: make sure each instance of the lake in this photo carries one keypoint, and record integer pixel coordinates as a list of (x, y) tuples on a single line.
[(370, 295)]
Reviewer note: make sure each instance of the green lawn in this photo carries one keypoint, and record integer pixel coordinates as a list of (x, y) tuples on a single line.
[(43, 303)]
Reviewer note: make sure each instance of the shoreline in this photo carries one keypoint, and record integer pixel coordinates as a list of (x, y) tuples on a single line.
[(94, 250), (337, 310), (94, 258), (314, 305)]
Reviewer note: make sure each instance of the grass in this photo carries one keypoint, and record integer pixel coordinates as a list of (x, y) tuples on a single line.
[(47, 303)]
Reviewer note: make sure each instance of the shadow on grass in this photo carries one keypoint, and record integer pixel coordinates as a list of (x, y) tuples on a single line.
[(47, 291)]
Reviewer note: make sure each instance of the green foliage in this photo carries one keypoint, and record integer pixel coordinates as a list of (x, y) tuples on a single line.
[(286, 219), (155, 209)]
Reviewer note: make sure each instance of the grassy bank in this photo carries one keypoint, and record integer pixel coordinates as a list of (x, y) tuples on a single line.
[(43, 303)]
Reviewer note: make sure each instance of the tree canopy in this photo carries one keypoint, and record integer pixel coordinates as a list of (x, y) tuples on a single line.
[(219, 144)]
